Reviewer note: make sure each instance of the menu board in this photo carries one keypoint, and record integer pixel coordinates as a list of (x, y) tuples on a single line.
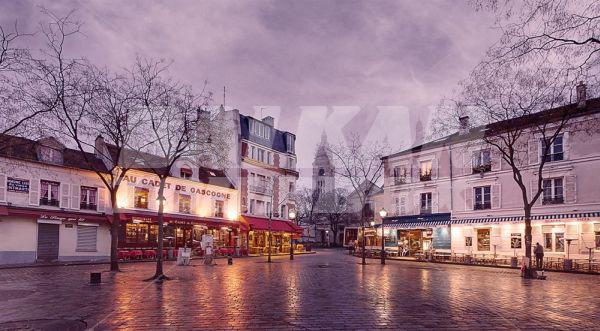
[(17, 185)]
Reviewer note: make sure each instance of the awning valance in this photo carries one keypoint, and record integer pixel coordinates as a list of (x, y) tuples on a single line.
[(177, 218), (416, 221), (522, 218)]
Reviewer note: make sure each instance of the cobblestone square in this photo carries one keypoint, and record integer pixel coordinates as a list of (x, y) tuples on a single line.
[(327, 290)]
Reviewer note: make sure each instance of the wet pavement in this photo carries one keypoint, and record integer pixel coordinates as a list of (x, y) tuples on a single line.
[(325, 290)]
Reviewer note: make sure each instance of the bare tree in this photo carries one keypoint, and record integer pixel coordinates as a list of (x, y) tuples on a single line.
[(18, 112), (359, 164), (87, 103), (334, 212), (171, 130), (517, 107), (306, 204)]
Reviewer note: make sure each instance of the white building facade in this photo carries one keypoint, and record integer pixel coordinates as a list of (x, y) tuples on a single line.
[(462, 198)]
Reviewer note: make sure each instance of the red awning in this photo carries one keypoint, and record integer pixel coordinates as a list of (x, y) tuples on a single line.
[(176, 218), (56, 214), (261, 223)]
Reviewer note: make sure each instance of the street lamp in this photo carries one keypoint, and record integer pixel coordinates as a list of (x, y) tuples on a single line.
[(383, 214), (291, 216), (327, 235)]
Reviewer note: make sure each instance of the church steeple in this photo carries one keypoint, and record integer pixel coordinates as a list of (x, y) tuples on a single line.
[(323, 168)]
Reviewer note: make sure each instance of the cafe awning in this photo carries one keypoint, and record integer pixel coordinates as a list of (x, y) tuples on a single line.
[(176, 218), (416, 221), (262, 224)]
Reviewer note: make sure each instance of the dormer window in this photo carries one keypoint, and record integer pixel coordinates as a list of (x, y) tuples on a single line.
[(260, 129), (185, 173), (290, 142), (50, 155)]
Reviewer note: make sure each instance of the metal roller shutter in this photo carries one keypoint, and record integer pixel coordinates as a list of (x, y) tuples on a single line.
[(86, 238), (47, 246)]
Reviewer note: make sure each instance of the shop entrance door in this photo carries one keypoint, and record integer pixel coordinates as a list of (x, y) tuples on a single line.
[(47, 244)]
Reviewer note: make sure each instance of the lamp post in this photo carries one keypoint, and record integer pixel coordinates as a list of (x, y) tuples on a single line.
[(269, 238), (327, 236), (292, 216), (383, 214)]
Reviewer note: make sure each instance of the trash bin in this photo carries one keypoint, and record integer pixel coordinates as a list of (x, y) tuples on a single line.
[(514, 262), (170, 253), (184, 255), (568, 265)]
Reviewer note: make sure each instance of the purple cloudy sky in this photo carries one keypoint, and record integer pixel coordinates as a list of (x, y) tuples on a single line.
[(341, 66)]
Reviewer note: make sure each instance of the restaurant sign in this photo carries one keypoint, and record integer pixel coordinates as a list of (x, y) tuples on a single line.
[(17, 185), (61, 219), (177, 187)]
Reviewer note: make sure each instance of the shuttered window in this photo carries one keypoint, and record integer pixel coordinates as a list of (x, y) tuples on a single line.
[(86, 238)]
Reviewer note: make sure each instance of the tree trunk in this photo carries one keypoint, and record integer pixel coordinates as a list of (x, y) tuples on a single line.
[(114, 233), (528, 241), (160, 220)]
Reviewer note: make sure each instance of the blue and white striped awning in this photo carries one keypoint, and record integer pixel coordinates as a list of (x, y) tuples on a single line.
[(424, 221), (416, 225), (522, 218)]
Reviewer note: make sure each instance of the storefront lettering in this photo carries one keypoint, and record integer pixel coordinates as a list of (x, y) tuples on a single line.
[(178, 187), (62, 219)]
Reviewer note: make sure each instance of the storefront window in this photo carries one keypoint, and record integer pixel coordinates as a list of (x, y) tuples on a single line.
[(483, 239), (548, 241), (185, 202), (141, 198), (597, 239), (219, 206), (130, 233), (515, 240), (559, 239), (136, 233), (153, 234)]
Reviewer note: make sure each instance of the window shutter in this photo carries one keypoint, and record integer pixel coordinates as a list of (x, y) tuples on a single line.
[(102, 199), (468, 198), (496, 160), (75, 196), (533, 187), (533, 151), (130, 196), (2, 188), (496, 196), (434, 202), (571, 189), (467, 162), (34, 192), (65, 195), (566, 146), (87, 238), (434, 169), (417, 204)]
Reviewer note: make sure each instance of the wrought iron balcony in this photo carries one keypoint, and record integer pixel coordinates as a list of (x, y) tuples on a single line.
[(553, 200), (481, 168), (88, 206), (49, 202), (425, 176), (260, 189), (482, 206)]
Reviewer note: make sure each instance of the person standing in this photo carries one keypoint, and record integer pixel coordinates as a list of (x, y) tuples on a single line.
[(539, 256)]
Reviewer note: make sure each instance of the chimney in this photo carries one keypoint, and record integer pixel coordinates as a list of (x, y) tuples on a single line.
[(99, 146), (269, 121), (581, 94), (464, 125)]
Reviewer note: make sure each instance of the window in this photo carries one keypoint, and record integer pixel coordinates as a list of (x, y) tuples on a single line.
[(425, 171), (426, 203), (253, 152), (468, 241), (515, 240), (552, 191), (219, 207), (260, 129), (555, 152), (283, 214), (88, 198), (290, 142), (482, 198), (548, 241), (251, 206), (49, 193), (597, 233), (185, 173), (140, 198), (483, 239), (399, 175), (482, 161), (291, 187), (86, 238), (559, 242), (51, 155), (137, 233), (185, 203), (268, 210)]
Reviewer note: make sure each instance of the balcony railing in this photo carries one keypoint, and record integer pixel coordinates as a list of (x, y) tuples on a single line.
[(425, 176), (478, 169), (49, 202), (553, 157), (400, 180), (425, 210), (482, 205), (88, 206), (261, 189), (553, 201)]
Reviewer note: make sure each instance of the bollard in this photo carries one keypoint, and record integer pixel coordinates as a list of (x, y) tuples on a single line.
[(229, 260), (95, 278)]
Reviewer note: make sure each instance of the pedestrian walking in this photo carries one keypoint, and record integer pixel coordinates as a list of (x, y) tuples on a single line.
[(539, 256)]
